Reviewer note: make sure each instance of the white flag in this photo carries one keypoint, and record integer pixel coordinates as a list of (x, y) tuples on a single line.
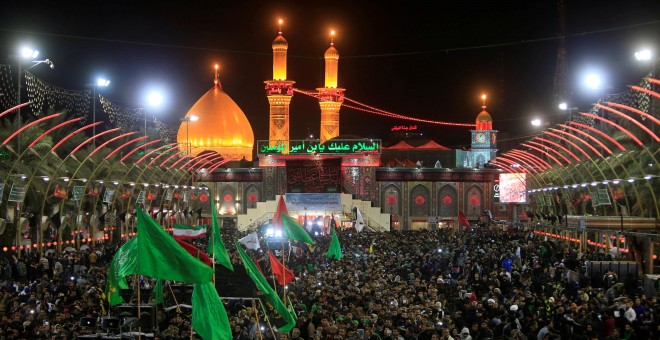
[(359, 222), (251, 241)]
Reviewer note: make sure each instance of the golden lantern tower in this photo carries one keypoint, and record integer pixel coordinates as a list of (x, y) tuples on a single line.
[(279, 91), (330, 97)]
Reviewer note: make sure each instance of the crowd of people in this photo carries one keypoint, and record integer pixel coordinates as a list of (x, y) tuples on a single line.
[(400, 285)]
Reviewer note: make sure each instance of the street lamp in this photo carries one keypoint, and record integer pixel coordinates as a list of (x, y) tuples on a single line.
[(155, 100), (646, 55), (564, 107), (26, 54), (536, 122), (100, 82), (191, 118)]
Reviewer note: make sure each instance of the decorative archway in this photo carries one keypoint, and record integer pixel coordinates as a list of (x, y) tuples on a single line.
[(474, 201), (227, 200), (391, 198), (447, 201), (252, 195), (420, 201)]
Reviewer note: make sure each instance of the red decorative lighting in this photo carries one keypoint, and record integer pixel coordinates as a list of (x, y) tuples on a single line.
[(577, 159), (630, 119), (617, 126)]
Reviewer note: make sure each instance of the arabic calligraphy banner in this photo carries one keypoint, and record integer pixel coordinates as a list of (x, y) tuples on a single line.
[(313, 147), (313, 176), (301, 202)]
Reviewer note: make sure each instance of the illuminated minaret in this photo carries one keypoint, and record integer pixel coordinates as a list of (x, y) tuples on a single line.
[(330, 96), (279, 92)]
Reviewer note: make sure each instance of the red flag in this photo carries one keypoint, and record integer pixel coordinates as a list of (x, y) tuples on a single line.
[(283, 274), (194, 251), (462, 220), (277, 218)]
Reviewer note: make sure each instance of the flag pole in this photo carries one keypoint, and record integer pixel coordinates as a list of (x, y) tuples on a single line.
[(138, 305), (267, 319), (215, 214), (283, 270), (178, 309), (256, 316)]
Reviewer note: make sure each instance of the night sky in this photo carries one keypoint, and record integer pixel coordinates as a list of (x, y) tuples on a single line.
[(425, 59)]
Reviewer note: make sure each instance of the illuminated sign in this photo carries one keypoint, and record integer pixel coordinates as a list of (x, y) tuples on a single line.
[(404, 128), (513, 188), (313, 147)]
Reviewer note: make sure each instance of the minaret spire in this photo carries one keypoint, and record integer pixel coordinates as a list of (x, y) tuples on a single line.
[(330, 97), (216, 80), (279, 91)]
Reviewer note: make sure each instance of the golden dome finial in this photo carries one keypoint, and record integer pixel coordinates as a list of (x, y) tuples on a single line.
[(332, 37), (215, 80), (483, 98), (280, 22)]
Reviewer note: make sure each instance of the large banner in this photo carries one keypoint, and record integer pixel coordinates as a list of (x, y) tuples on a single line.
[(301, 202), (313, 176)]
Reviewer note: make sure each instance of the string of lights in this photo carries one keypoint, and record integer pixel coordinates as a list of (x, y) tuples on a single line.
[(126, 119), (373, 110), (7, 88), (46, 97)]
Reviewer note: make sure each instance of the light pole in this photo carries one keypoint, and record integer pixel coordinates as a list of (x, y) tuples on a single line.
[(594, 81), (100, 82), (564, 107), (155, 100), (27, 54), (191, 118), (645, 55)]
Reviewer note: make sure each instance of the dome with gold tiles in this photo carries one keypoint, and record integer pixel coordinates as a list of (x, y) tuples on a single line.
[(221, 126)]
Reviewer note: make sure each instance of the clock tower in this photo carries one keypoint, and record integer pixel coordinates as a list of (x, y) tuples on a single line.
[(484, 141)]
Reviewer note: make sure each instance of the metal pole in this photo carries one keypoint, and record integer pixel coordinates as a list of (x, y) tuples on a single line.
[(145, 132), (18, 102), (94, 115)]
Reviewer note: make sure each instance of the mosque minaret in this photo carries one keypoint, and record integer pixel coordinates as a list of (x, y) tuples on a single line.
[(330, 97), (279, 91)]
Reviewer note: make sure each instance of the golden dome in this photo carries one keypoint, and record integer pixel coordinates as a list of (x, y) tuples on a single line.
[(331, 52), (484, 121), (221, 127), (280, 43)]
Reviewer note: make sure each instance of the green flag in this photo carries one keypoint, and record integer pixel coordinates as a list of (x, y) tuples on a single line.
[(292, 310), (161, 257), (216, 246), (334, 251), (294, 231), (277, 312), (123, 263), (209, 318), (158, 292)]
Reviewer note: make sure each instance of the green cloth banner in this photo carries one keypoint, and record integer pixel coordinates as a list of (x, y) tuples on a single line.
[(294, 231), (209, 317), (334, 251), (160, 256), (277, 312), (216, 246)]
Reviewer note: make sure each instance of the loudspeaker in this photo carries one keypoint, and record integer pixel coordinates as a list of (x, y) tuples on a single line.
[(183, 294), (88, 322), (234, 284), (147, 315), (109, 323)]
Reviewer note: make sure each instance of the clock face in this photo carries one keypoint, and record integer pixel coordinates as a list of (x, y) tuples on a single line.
[(492, 138), (480, 138)]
